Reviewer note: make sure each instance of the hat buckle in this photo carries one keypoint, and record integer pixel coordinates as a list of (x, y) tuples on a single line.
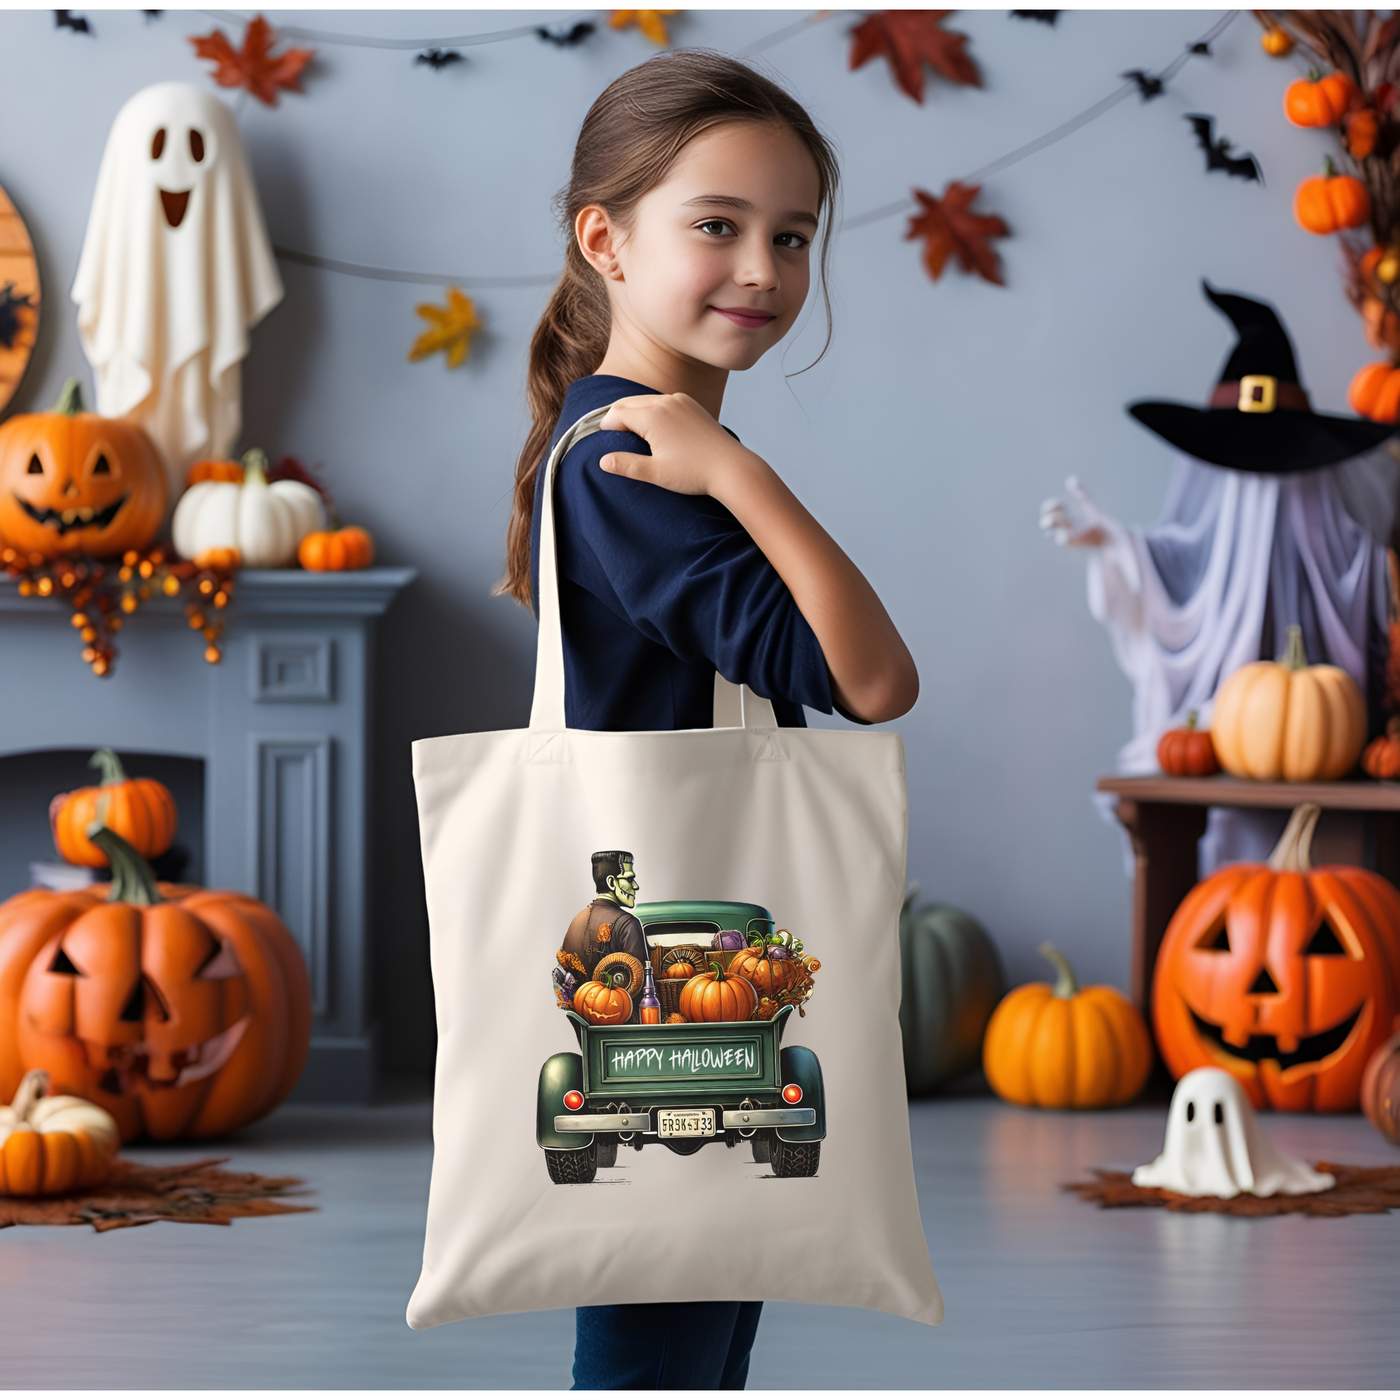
[(1258, 393)]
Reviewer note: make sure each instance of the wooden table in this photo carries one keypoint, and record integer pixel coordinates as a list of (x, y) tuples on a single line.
[(1165, 818)]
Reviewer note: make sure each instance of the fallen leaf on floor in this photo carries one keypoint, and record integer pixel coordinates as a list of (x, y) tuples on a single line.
[(1359, 1191), (197, 1193)]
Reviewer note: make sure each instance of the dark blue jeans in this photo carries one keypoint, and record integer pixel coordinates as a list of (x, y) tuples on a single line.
[(665, 1346)]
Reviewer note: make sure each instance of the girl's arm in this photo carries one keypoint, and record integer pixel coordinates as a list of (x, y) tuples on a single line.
[(873, 677)]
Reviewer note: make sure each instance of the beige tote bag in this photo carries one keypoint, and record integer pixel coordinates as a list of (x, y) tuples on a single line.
[(585, 891)]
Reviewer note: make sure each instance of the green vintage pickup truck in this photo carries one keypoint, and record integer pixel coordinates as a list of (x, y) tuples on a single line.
[(682, 1086)]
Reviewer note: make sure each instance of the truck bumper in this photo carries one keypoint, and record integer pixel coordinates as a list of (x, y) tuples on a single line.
[(744, 1119)]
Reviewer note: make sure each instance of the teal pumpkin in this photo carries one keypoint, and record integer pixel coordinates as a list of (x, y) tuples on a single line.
[(952, 981)]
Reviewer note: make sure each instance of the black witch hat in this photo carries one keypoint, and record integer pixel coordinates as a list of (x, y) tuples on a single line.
[(1259, 418)]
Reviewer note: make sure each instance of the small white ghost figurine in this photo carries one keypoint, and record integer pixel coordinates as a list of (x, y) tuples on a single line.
[(175, 268), (1215, 1146)]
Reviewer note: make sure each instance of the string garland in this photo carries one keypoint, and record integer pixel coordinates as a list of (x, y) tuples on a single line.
[(905, 205)]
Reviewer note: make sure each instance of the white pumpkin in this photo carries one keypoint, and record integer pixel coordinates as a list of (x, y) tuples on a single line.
[(265, 522)]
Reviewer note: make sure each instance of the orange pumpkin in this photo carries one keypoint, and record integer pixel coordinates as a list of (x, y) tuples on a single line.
[(140, 810), (1382, 756), (1275, 42), (1320, 101), (1330, 202), (755, 964), (718, 996), (215, 471), (75, 483), (53, 1145), (1188, 752), (1380, 1090), (333, 551), (182, 1012), (1286, 976), (1375, 391), (602, 1004), (1286, 719), (1360, 132), (681, 969), (1066, 1046)]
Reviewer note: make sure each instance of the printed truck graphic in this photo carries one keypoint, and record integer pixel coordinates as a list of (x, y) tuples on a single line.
[(685, 1084)]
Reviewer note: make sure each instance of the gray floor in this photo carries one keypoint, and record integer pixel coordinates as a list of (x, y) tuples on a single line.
[(1041, 1289)]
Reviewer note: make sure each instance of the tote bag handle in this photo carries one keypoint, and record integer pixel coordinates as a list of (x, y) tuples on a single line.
[(736, 707)]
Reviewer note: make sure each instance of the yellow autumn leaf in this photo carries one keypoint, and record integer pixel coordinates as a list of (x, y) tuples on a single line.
[(449, 330), (650, 22)]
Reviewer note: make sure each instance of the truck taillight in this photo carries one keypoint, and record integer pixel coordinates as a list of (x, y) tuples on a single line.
[(791, 1092), (573, 1100)]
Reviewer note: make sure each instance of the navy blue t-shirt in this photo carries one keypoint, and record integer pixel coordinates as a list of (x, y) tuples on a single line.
[(658, 591)]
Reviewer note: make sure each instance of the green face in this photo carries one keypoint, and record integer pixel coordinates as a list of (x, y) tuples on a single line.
[(623, 888)]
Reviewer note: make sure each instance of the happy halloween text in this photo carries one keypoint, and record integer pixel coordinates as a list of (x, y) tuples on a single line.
[(690, 1060)]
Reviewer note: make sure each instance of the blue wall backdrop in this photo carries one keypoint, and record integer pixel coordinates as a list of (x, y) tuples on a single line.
[(925, 440)]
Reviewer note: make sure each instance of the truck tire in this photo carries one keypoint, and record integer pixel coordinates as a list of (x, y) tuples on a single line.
[(607, 1152), (795, 1158), (576, 1168), (762, 1143)]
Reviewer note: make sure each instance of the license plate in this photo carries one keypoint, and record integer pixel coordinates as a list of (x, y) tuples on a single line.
[(685, 1122)]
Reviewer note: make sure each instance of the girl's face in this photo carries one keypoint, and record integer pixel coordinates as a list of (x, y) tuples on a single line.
[(716, 262)]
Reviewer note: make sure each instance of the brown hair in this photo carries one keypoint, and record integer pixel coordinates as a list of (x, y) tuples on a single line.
[(626, 147)]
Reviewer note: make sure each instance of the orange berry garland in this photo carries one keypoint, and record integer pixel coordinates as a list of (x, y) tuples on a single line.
[(105, 592)]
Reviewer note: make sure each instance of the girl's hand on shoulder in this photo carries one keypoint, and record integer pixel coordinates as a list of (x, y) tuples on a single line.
[(690, 452)]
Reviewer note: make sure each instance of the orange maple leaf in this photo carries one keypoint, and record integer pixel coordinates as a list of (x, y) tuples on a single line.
[(650, 22), (254, 67), (949, 227), (908, 39)]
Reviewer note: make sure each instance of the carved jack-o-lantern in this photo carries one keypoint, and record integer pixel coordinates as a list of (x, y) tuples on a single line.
[(76, 483), (1286, 976), (182, 1012)]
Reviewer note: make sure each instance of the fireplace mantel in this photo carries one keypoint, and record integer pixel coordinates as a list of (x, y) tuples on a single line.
[(282, 727)]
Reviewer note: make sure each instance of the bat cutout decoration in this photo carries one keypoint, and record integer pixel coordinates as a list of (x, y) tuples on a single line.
[(66, 19), (1148, 87), (1039, 16), (438, 59), (1218, 156), (10, 306), (1200, 48), (566, 38)]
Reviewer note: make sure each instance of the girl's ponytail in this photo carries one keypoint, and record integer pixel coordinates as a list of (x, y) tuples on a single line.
[(626, 147), (569, 343)]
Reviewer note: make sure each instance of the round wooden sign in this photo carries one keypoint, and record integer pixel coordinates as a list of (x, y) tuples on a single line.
[(19, 300)]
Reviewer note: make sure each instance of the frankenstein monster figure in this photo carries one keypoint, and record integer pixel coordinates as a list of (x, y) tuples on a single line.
[(605, 926)]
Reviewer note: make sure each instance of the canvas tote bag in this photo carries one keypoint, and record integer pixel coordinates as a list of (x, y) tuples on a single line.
[(724, 827)]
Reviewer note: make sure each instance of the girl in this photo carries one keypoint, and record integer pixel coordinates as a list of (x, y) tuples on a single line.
[(697, 191)]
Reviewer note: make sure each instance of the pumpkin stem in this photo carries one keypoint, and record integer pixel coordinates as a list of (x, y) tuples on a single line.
[(1065, 985), (111, 766), (1328, 169), (32, 1088), (1294, 850), (1191, 717), (133, 881), (70, 401), (255, 466), (1294, 657)]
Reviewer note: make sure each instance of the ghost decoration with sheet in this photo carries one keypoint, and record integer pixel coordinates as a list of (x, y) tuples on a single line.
[(1215, 1146), (175, 268)]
